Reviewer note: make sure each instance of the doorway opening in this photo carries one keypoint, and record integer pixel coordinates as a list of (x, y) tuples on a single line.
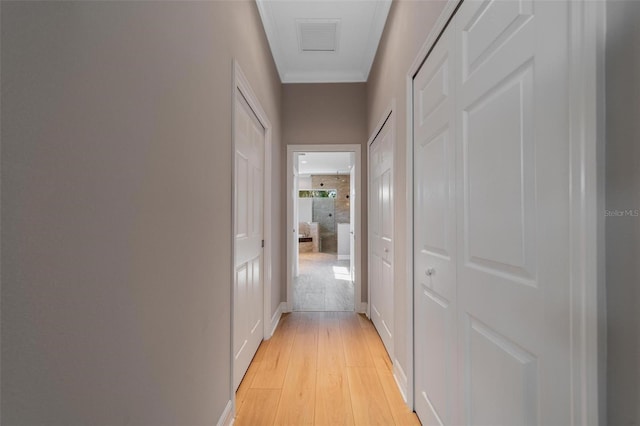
[(323, 212)]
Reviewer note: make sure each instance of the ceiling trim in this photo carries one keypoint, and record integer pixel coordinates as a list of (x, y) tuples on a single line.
[(324, 77), (377, 27), (272, 34)]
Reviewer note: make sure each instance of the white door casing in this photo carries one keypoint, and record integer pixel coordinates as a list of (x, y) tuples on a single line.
[(381, 238), (292, 244), (352, 218), (505, 315), (295, 234)]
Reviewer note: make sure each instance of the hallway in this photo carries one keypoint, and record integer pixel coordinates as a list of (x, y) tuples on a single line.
[(323, 368)]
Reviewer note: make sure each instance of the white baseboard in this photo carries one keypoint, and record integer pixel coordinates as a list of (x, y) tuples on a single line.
[(275, 319), (344, 257), (363, 308), (401, 379), (226, 419)]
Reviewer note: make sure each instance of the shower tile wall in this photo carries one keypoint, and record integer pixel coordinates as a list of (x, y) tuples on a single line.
[(338, 208)]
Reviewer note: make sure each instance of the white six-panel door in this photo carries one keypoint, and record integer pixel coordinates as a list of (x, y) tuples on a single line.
[(381, 233), (492, 218), (435, 236), (249, 211)]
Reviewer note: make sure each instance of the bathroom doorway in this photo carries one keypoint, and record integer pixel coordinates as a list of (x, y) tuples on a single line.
[(323, 212)]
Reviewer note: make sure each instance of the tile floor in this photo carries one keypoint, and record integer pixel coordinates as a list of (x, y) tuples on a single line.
[(323, 284)]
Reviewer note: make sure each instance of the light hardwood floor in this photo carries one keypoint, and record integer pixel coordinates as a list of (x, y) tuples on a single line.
[(321, 368)]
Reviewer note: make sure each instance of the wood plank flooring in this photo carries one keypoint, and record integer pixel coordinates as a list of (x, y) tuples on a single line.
[(321, 368)]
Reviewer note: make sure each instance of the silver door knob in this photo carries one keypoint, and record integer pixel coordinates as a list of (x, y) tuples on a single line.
[(429, 272)]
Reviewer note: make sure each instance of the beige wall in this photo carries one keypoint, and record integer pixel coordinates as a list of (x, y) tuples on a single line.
[(407, 27), (324, 114), (116, 207), (328, 114), (622, 194)]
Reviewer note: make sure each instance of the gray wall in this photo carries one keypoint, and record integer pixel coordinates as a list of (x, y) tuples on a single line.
[(407, 27), (622, 194), (116, 201)]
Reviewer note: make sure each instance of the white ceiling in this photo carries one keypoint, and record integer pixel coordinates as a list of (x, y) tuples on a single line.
[(313, 163), (359, 26)]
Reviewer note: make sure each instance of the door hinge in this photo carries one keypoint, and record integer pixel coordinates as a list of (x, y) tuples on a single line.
[(262, 243)]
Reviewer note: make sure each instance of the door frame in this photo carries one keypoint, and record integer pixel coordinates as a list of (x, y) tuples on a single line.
[(241, 83), (586, 192), (359, 306)]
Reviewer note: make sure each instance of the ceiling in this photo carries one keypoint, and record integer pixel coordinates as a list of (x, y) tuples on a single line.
[(313, 163), (323, 41)]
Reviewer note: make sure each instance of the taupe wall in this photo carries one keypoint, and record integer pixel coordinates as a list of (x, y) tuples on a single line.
[(116, 207), (317, 114), (324, 114), (622, 195), (407, 27)]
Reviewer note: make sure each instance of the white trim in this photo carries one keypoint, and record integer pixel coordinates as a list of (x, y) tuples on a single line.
[(324, 77), (241, 83), (429, 42), (355, 148), (401, 379), (226, 418), (275, 319), (587, 137), (364, 309), (377, 27), (387, 115), (272, 34)]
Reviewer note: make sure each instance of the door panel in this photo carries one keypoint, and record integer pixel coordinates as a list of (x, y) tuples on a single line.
[(249, 211), (513, 213), (434, 238), (381, 233), (502, 361), (499, 225)]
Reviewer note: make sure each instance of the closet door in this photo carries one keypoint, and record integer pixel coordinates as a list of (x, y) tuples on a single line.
[(381, 233), (435, 236), (249, 213), (512, 133)]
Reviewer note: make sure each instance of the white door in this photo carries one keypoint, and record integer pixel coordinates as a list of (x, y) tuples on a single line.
[(513, 135), (435, 236), (249, 210), (381, 233), (509, 65)]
